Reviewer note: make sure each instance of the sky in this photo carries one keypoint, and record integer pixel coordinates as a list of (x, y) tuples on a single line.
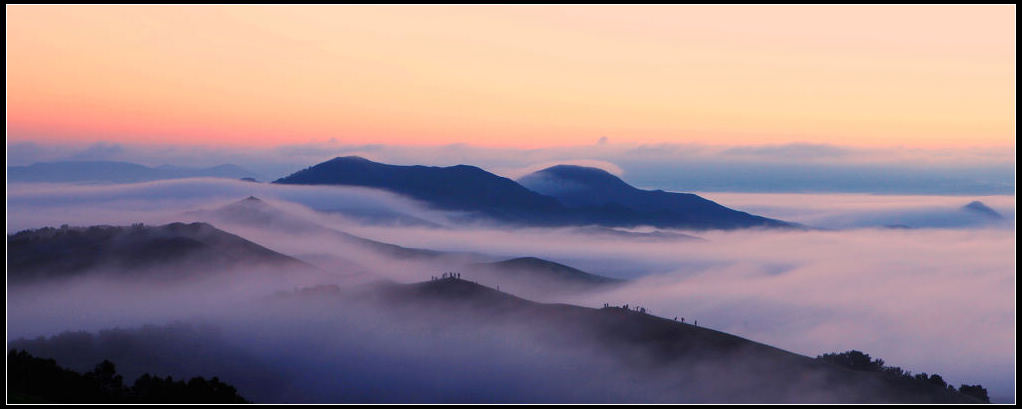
[(524, 77)]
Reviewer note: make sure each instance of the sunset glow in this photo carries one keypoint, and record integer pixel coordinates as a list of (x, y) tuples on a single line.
[(515, 76)]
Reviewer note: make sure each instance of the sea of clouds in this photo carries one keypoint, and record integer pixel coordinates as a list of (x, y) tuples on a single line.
[(939, 297)]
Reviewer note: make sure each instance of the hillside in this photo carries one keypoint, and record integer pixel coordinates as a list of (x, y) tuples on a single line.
[(662, 348), (456, 341), (67, 251), (532, 277)]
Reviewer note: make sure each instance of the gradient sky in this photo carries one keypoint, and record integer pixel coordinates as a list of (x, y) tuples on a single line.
[(512, 76)]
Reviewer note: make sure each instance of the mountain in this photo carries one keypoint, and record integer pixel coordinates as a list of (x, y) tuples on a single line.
[(558, 196), (456, 188), (548, 269), (456, 341), (611, 201), (70, 251), (536, 276), (115, 172), (692, 361), (979, 208)]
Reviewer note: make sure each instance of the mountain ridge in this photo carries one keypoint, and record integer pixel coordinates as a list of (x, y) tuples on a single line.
[(594, 188), (472, 190)]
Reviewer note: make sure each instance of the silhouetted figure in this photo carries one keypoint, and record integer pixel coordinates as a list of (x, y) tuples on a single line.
[(696, 323), (682, 320)]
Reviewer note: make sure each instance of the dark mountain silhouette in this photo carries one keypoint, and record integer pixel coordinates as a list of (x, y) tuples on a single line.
[(613, 202), (67, 251), (115, 172), (559, 196), (458, 188), (979, 208)]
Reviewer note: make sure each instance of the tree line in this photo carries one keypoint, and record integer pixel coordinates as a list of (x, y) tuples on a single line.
[(859, 361), (36, 380)]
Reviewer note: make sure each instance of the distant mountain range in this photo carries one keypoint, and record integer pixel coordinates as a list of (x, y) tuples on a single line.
[(557, 196), (116, 172)]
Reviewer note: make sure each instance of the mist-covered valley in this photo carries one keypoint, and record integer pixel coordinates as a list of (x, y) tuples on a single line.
[(292, 295)]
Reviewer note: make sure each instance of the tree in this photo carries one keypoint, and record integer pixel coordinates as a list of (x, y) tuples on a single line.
[(853, 359), (976, 391)]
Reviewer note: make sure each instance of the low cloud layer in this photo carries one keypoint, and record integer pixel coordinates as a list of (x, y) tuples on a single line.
[(845, 211), (797, 167), (927, 299), (37, 205), (934, 300)]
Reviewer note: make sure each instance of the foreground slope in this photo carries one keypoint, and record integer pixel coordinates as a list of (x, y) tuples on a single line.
[(675, 354), (455, 341)]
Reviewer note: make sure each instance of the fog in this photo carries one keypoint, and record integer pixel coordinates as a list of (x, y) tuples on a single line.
[(934, 300), (850, 210), (37, 205), (793, 167), (938, 298)]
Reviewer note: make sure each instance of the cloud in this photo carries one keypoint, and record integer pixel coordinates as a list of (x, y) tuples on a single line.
[(794, 151), (38, 205), (850, 210), (798, 167), (934, 300), (930, 299)]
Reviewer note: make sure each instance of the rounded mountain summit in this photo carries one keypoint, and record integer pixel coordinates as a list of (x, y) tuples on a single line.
[(562, 195)]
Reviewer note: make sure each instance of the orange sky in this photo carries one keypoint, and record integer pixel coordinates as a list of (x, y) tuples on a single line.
[(520, 76)]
